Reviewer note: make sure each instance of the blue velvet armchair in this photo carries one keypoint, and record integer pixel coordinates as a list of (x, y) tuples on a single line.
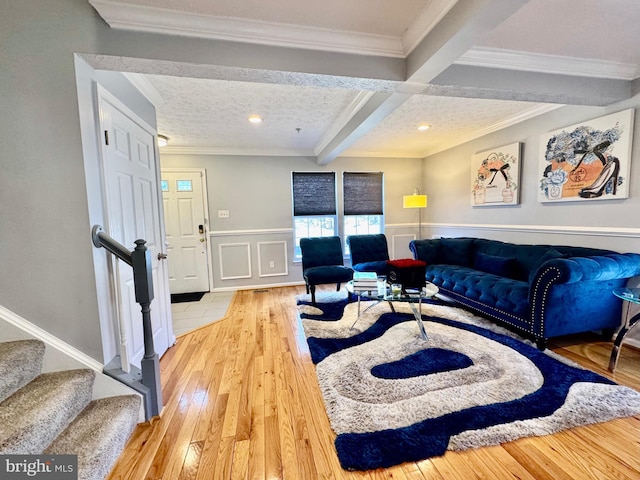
[(369, 253), (323, 263)]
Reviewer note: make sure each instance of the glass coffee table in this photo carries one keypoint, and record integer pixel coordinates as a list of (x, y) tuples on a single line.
[(630, 295), (411, 297)]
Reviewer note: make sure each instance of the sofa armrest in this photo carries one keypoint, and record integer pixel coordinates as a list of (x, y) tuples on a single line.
[(595, 268), (566, 274)]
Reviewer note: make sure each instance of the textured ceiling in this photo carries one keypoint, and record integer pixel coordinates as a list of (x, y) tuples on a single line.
[(374, 114), (214, 113), (452, 120), (607, 30)]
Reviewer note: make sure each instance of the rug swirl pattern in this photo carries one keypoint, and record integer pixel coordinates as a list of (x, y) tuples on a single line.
[(392, 397)]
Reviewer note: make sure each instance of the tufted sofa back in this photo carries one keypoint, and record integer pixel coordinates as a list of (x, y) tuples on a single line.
[(529, 257), (463, 251)]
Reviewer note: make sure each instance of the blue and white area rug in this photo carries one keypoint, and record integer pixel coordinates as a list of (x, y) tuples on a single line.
[(392, 397)]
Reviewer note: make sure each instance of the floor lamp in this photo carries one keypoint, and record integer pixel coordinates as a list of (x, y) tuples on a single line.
[(416, 201)]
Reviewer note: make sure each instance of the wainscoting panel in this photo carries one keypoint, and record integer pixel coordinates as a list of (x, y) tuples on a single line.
[(272, 259), (235, 260), (399, 247)]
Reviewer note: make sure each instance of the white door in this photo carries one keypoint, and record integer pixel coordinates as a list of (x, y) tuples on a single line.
[(134, 211), (183, 196)]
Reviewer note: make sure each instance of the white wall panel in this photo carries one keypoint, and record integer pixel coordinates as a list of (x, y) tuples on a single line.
[(272, 259), (235, 260)]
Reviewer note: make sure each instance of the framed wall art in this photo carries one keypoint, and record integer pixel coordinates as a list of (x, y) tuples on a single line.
[(495, 176), (587, 161)]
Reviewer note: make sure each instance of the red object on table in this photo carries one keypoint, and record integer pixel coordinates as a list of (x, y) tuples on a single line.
[(408, 272)]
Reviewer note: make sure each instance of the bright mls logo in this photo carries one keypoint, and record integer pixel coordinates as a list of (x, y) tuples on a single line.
[(50, 467)]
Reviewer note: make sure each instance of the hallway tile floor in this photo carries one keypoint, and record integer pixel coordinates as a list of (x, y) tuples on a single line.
[(189, 316)]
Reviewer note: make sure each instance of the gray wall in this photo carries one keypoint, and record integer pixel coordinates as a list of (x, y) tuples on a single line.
[(612, 224), (257, 193), (46, 256)]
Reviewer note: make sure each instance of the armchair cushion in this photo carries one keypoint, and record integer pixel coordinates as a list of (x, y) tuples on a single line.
[(328, 274), (379, 267), (369, 253)]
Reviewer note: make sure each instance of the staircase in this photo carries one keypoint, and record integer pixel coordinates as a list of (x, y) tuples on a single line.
[(53, 413)]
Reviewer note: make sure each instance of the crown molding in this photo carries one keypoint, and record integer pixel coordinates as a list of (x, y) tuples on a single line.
[(248, 152), (543, 63), (502, 124), (428, 19), (145, 87), (380, 154), (158, 20)]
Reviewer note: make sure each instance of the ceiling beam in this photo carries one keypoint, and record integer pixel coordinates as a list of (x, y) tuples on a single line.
[(463, 27), (458, 30), (372, 112), (481, 82)]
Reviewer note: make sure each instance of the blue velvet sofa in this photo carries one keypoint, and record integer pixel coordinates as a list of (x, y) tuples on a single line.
[(540, 291)]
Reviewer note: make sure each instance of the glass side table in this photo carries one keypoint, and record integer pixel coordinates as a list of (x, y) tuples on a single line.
[(629, 295)]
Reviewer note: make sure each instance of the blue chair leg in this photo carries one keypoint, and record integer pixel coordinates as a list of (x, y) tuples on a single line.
[(313, 294), (338, 287)]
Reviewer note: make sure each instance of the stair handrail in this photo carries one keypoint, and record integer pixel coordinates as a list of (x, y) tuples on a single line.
[(140, 260), (101, 239)]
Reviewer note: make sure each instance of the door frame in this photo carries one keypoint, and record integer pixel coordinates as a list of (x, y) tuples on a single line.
[(104, 96), (207, 219)]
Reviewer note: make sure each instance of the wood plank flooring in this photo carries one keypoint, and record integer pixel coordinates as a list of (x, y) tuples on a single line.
[(242, 402)]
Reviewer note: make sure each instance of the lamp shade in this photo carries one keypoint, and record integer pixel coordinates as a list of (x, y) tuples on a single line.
[(414, 201)]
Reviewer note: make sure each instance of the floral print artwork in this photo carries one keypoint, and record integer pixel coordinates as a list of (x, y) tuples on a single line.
[(589, 161)]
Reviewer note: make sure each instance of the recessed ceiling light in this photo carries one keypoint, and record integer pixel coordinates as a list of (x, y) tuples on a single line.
[(163, 140), (255, 119), (424, 127)]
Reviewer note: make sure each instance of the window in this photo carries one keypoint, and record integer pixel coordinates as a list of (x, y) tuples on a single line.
[(363, 204), (314, 206), (184, 186)]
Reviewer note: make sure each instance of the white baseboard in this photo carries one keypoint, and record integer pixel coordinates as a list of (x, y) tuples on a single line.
[(257, 287)]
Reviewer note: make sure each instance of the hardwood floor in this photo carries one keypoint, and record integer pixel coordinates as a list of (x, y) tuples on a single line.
[(242, 402)]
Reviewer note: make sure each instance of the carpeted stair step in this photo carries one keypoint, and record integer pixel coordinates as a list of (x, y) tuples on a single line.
[(37, 413), (98, 435), (20, 362)]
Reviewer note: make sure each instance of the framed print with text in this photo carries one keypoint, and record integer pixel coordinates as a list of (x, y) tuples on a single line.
[(495, 176)]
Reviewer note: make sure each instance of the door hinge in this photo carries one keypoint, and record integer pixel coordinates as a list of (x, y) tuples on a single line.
[(106, 137)]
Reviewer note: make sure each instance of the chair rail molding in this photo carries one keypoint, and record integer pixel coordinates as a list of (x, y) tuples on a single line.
[(263, 231), (555, 229)]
